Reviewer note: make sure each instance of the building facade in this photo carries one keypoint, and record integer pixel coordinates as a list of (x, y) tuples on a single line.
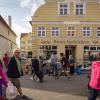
[(26, 44), (7, 38), (71, 27)]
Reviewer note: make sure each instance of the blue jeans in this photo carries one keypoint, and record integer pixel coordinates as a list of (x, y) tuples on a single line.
[(93, 94), (55, 70)]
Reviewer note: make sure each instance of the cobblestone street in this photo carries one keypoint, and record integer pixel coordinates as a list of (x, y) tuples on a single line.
[(53, 89)]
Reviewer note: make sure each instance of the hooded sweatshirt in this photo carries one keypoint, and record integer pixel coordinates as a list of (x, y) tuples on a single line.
[(95, 75), (3, 77)]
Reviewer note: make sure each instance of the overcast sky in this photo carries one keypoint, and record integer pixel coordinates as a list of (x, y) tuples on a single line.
[(21, 12)]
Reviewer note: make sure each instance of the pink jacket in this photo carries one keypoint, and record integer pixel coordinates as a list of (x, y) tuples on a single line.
[(95, 75), (3, 77)]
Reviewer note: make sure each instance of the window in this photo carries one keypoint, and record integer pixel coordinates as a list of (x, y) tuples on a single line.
[(79, 9), (98, 31), (92, 48), (48, 47), (41, 47), (86, 48), (86, 31), (41, 31), (54, 47), (63, 9), (71, 31), (29, 41), (98, 48), (55, 31)]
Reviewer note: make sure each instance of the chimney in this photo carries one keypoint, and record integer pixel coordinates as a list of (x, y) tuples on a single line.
[(10, 21)]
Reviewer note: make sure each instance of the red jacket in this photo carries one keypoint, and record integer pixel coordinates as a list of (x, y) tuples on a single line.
[(95, 75)]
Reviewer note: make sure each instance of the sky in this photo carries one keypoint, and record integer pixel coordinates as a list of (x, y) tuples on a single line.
[(21, 12)]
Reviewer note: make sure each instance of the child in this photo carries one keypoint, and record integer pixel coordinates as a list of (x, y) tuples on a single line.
[(3, 81)]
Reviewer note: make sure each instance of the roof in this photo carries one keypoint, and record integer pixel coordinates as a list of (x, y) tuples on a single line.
[(5, 23), (23, 34)]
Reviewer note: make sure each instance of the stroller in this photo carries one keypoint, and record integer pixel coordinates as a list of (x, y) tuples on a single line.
[(78, 70)]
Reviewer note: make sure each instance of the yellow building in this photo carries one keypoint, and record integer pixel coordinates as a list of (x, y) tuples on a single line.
[(67, 26), (7, 38), (26, 44)]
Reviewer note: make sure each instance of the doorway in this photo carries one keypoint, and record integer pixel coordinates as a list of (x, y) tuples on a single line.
[(70, 50)]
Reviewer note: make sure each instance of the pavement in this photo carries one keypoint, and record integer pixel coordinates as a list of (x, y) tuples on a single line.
[(56, 89)]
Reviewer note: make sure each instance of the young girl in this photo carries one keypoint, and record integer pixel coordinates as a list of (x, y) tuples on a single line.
[(3, 81)]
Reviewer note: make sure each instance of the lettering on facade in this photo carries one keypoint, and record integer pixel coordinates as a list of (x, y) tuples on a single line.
[(77, 42), (70, 42), (45, 42), (58, 41), (96, 42)]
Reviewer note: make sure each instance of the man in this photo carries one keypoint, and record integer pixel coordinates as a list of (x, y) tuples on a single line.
[(54, 61), (14, 71), (35, 66)]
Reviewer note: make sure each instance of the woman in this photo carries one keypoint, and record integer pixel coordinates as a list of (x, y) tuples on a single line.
[(15, 70), (94, 83), (64, 63)]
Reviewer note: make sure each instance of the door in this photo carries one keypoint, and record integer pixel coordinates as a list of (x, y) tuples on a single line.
[(70, 51)]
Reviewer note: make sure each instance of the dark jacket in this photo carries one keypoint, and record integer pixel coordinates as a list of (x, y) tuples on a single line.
[(35, 64), (13, 71)]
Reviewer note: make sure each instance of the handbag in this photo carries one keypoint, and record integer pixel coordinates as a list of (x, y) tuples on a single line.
[(11, 91)]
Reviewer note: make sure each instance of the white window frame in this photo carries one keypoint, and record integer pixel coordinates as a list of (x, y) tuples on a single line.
[(68, 8), (41, 31), (86, 34), (98, 30), (55, 32), (84, 7), (71, 31)]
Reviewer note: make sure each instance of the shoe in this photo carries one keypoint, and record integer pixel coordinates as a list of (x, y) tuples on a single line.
[(31, 78), (37, 80)]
